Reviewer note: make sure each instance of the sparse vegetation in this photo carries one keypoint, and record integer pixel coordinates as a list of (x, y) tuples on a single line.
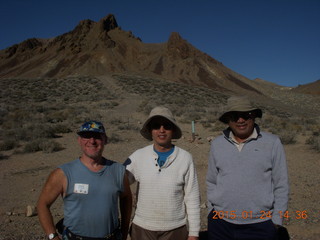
[(33, 111), (185, 101), (123, 124)]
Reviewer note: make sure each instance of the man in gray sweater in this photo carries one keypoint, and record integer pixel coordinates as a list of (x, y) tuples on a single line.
[(247, 179)]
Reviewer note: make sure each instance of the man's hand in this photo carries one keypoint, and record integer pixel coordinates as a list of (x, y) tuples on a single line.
[(276, 226)]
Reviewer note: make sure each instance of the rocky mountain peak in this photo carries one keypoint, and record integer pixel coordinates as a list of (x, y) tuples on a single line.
[(108, 23), (178, 47)]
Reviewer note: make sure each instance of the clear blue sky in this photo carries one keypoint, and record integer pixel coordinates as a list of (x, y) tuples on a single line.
[(276, 40)]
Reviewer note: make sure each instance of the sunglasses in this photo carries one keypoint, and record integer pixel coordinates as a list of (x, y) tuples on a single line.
[(88, 135), (157, 125), (234, 116)]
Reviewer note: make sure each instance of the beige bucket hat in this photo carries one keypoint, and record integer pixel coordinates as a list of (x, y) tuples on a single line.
[(239, 104), (160, 111)]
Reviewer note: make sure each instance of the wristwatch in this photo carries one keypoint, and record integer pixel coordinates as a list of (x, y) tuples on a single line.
[(52, 236)]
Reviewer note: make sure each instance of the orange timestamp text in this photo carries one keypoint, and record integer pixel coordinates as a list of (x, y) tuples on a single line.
[(294, 214), (242, 215), (261, 215)]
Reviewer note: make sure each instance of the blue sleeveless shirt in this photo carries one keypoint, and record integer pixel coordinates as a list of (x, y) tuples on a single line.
[(91, 201)]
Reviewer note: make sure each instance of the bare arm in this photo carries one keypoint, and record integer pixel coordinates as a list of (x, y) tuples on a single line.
[(193, 238), (53, 187), (125, 207)]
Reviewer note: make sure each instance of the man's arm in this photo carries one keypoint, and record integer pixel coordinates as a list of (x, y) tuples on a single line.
[(211, 178), (130, 167), (125, 207), (192, 201), (280, 182), (53, 187)]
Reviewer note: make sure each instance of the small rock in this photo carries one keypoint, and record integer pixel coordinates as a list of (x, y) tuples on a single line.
[(31, 211), (9, 213), (8, 220)]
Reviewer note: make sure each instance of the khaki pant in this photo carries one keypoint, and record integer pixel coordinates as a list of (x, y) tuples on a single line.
[(139, 233)]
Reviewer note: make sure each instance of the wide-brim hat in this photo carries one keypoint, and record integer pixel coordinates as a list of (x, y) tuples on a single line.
[(160, 112), (239, 104)]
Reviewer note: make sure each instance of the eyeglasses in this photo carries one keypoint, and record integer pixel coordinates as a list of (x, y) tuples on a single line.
[(234, 116), (157, 125)]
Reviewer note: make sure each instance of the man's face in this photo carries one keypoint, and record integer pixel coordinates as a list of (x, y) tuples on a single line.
[(241, 124), (92, 144), (161, 131)]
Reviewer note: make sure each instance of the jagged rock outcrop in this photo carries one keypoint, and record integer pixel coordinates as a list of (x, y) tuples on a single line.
[(178, 48), (108, 23)]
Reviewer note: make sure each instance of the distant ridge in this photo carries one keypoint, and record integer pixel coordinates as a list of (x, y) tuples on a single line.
[(310, 88), (100, 48)]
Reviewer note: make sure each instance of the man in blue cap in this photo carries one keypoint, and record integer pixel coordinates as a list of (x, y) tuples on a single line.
[(90, 187)]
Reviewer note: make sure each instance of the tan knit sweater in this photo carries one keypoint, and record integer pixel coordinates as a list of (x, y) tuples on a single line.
[(169, 196)]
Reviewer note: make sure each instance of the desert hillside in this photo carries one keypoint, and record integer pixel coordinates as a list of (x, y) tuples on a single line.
[(310, 88)]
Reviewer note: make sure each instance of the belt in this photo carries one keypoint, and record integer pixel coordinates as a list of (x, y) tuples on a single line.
[(72, 236)]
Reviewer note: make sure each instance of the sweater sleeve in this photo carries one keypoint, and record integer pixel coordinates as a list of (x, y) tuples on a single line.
[(280, 182), (211, 178), (192, 199)]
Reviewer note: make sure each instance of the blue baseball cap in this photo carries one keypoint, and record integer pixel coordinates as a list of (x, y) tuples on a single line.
[(92, 126)]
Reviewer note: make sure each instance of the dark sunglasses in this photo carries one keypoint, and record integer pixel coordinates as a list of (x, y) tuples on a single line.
[(157, 125), (234, 116), (88, 135)]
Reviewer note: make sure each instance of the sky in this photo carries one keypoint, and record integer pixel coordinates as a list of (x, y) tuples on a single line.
[(275, 40)]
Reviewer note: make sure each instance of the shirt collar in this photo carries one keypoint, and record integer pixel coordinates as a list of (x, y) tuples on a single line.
[(254, 135)]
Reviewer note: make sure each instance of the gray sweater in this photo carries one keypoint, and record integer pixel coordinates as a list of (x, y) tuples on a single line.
[(250, 185)]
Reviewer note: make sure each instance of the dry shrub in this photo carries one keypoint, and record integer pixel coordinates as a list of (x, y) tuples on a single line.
[(32, 146), (218, 126), (50, 146), (287, 137), (314, 141), (45, 145), (3, 157), (114, 138), (206, 124), (8, 144)]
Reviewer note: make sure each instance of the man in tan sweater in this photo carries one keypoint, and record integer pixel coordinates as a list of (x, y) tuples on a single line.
[(168, 195)]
